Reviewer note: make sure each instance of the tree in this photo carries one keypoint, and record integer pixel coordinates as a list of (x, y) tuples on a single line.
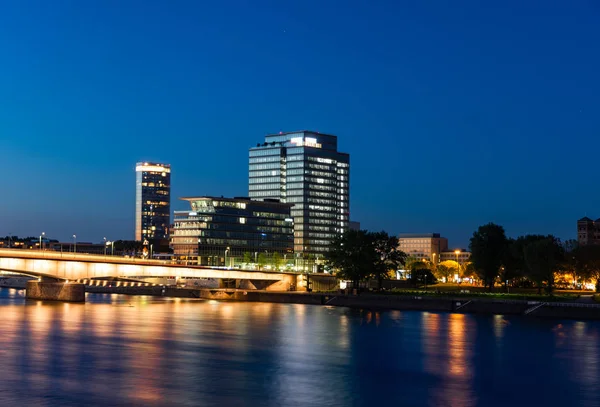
[(446, 269), (569, 265), (352, 255), (542, 258), (488, 246), (420, 273), (408, 262), (468, 270), (387, 255), (276, 260), (247, 257), (262, 260), (587, 263)]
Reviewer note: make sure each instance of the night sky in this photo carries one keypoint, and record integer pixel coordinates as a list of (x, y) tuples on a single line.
[(453, 116)]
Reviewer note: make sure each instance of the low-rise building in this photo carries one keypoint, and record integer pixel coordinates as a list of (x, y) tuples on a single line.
[(588, 231), (423, 246), (353, 225), (226, 231), (462, 256)]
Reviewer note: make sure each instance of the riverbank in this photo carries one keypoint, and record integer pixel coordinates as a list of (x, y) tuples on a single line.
[(568, 310), (440, 303)]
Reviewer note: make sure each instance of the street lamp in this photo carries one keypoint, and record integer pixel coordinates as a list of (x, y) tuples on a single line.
[(41, 242), (226, 251), (105, 247), (457, 252), (74, 243)]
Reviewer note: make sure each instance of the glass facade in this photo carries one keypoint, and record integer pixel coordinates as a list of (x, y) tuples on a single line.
[(222, 231), (152, 201), (305, 169)]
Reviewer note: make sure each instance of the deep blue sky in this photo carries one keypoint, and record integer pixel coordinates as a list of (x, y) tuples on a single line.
[(455, 114)]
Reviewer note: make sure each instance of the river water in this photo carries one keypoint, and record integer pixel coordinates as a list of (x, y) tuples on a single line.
[(128, 351)]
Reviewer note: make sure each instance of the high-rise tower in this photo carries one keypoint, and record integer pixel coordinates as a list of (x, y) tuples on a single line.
[(152, 201), (304, 168)]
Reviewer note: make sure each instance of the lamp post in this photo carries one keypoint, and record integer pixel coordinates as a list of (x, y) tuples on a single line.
[(226, 252), (41, 242), (105, 247), (255, 258), (457, 252), (74, 243)]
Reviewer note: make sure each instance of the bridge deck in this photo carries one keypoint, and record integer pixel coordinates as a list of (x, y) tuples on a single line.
[(75, 266)]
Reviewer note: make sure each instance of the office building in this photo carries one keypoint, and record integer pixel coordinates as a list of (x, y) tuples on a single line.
[(152, 201), (460, 255), (306, 169), (588, 231), (232, 231), (425, 246), (353, 225)]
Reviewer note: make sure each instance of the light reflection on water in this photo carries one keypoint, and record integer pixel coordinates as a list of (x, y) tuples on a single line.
[(119, 350)]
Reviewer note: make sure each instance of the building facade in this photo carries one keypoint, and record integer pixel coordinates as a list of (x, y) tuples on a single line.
[(305, 169), (460, 255), (354, 225), (424, 246), (152, 201), (588, 231), (226, 231)]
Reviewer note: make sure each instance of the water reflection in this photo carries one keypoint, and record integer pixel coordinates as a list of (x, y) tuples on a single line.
[(117, 350)]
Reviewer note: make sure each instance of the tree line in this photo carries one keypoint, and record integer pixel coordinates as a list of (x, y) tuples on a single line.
[(533, 259)]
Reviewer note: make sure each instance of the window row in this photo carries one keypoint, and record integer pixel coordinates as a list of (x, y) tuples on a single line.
[(258, 167)]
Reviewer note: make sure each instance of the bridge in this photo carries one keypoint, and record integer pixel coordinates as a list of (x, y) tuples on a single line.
[(64, 267)]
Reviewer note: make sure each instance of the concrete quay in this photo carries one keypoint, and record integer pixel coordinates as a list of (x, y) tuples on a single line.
[(55, 291)]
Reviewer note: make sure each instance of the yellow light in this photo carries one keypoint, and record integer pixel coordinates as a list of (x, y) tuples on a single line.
[(457, 251), (152, 168)]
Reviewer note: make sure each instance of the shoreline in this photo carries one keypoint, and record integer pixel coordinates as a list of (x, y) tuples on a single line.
[(463, 305)]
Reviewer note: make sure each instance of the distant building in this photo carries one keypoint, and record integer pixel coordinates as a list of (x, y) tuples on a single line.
[(306, 169), (353, 225), (80, 247), (152, 201), (588, 231), (222, 231), (424, 246), (460, 255)]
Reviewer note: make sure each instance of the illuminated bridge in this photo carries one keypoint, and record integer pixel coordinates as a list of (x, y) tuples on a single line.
[(49, 265)]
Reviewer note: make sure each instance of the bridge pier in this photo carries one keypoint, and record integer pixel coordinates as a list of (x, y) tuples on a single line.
[(55, 291)]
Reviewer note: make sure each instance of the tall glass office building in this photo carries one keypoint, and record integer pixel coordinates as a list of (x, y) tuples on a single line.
[(152, 201), (223, 231), (304, 168)]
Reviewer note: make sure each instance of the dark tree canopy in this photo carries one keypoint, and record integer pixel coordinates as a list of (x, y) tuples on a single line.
[(542, 257), (488, 246), (358, 255)]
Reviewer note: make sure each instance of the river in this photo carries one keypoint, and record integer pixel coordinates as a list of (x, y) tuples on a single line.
[(128, 351)]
